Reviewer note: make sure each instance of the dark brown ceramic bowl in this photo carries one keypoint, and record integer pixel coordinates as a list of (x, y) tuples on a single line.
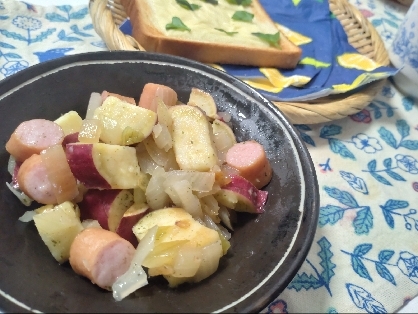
[(267, 249)]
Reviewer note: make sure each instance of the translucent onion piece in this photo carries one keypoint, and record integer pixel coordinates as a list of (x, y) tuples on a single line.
[(173, 196), (90, 131), (171, 161), (210, 207), (210, 261), (229, 171), (95, 101), (158, 155), (162, 137), (211, 224), (221, 156), (11, 165), (223, 135), (27, 216), (23, 198), (163, 254), (225, 216), (199, 181), (135, 277), (225, 116), (156, 197), (188, 201), (59, 173), (90, 223), (145, 161), (187, 261), (216, 188), (164, 116)]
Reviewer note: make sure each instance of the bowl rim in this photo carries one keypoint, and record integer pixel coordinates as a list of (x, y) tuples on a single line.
[(26, 76)]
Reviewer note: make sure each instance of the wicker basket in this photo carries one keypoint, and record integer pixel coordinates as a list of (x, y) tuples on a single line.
[(107, 15)]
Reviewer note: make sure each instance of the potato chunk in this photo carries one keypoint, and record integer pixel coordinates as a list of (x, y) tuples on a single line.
[(184, 250), (58, 226), (124, 123), (192, 140)]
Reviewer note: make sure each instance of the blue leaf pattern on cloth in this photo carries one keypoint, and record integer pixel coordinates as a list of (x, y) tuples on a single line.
[(342, 196), (317, 280), (356, 183), (408, 265), (363, 221), (364, 300), (408, 103)]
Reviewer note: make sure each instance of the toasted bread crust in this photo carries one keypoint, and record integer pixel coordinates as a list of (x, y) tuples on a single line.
[(143, 30)]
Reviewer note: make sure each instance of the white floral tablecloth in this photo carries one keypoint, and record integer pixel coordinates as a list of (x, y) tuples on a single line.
[(365, 255)]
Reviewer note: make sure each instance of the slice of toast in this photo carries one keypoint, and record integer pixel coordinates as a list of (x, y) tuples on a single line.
[(211, 34)]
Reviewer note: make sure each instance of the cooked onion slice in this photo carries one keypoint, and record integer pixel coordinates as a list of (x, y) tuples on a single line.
[(23, 198), (95, 101), (11, 165), (145, 161), (210, 261), (27, 216), (162, 136), (199, 181), (187, 261), (155, 195), (185, 198), (135, 277)]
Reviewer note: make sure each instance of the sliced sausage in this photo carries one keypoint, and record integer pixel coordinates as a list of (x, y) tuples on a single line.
[(33, 136), (33, 180), (250, 159), (130, 100), (101, 256), (152, 93)]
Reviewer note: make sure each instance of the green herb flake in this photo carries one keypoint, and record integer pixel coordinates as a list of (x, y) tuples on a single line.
[(243, 16), (188, 6), (244, 3), (177, 24), (271, 39), (214, 2), (224, 31)]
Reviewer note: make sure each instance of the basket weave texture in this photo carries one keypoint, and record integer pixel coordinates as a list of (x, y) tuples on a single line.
[(107, 15)]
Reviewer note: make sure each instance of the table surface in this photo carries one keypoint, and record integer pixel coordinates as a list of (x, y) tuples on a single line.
[(367, 172)]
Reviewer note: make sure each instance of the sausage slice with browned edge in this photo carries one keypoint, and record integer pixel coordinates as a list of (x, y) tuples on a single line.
[(101, 256), (32, 137), (250, 159)]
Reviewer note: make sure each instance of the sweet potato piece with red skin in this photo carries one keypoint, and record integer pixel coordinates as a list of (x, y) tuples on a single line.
[(129, 219), (86, 171), (246, 196), (105, 206)]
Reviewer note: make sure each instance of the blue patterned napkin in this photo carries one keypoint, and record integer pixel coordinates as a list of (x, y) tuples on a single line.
[(31, 34), (329, 64)]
